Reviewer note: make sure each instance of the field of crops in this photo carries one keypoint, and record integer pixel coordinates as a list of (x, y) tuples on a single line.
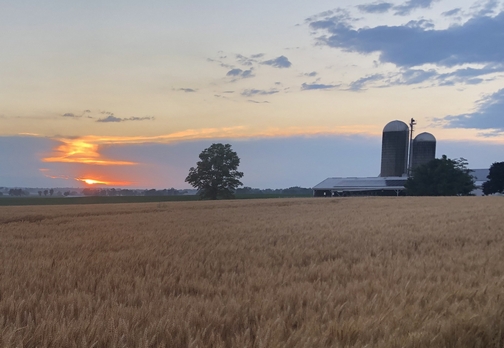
[(343, 272)]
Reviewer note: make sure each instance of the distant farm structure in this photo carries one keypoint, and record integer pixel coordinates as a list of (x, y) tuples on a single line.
[(399, 156)]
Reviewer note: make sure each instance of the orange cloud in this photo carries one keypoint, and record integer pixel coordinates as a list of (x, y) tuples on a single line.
[(81, 150), (86, 149)]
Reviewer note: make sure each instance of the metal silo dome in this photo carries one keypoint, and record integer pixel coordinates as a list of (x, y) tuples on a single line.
[(425, 137), (396, 126), (395, 144), (424, 149)]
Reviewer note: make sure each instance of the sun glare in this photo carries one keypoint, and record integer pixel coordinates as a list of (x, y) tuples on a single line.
[(89, 181)]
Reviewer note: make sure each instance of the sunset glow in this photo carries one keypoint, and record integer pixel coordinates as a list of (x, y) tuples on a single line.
[(86, 150), (81, 150), (103, 182)]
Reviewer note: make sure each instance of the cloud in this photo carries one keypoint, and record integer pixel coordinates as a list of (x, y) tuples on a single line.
[(377, 7), (452, 13), (187, 90), (145, 118), (72, 115), (258, 102), (415, 44), (485, 8), (246, 61), (252, 92), (469, 75), (234, 72), (314, 86), (311, 74), (112, 118), (488, 115), (410, 5), (279, 62), (240, 74), (360, 83)]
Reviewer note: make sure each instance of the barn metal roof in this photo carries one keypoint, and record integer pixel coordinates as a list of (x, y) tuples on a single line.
[(362, 184), (381, 183)]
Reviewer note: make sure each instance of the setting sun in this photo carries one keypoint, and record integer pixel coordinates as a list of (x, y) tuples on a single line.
[(102, 182)]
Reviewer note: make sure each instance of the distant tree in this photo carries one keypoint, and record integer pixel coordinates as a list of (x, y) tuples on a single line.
[(51, 192), (89, 192), (17, 192), (495, 182), (216, 174), (46, 192), (40, 193), (441, 177)]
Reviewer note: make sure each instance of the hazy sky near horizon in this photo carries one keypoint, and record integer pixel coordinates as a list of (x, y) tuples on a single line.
[(129, 93)]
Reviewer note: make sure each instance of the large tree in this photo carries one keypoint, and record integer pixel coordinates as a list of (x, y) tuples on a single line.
[(495, 183), (441, 177), (216, 174)]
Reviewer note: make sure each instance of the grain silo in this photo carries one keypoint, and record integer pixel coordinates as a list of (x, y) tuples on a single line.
[(395, 141), (424, 149)]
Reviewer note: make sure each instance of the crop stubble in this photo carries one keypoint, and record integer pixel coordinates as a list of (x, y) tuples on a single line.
[(375, 272)]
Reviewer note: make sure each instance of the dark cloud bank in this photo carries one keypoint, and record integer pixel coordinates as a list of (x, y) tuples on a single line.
[(478, 42)]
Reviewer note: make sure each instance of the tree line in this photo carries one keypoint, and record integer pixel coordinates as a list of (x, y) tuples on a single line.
[(216, 176), (451, 177)]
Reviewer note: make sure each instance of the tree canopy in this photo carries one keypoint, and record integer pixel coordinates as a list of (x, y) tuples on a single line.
[(441, 177), (216, 174), (495, 183)]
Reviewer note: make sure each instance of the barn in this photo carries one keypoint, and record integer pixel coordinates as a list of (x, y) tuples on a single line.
[(375, 186)]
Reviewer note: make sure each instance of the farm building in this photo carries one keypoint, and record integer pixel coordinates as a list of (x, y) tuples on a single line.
[(379, 186), (480, 176), (400, 153)]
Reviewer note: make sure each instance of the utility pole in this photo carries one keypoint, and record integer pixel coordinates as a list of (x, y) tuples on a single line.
[(410, 155)]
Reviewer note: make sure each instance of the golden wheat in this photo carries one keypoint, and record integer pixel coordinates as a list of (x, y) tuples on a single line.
[(349, 272)]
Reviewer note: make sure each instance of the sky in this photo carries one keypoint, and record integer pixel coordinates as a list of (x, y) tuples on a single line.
[(128, 93)]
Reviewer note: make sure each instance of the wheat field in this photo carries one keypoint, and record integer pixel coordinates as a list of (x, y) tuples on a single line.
[(342, 272)]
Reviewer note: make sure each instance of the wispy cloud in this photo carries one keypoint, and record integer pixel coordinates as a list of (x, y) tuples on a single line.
[(488, 115), (410, 5), (377, 7), (452, 13), (279, 62), (258, 102), (187, 90), (114, 119), (72, 115), (315, 86), (246, 61), (360, 83), (252, 92)]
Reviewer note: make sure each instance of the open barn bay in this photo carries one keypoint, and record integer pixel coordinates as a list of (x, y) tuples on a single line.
[(375, 272)]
